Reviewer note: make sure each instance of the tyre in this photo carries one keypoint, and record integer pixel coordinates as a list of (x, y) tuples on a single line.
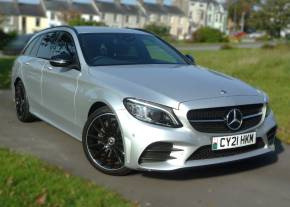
[(103, 142), (22, 104)]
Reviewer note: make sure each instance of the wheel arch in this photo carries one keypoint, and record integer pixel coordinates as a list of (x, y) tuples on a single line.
[(95, 106), (16, 81)]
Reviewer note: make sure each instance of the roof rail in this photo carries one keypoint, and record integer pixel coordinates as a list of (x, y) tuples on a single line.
[(61, 26), (142, 30)]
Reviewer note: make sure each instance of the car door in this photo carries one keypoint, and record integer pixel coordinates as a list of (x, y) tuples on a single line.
[(60, 84), (32, 72)]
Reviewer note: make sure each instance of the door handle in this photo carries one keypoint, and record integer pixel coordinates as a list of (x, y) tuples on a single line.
[(27, 63), (49, 68)]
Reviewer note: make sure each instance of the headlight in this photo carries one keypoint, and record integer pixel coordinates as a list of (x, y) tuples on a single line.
[(268, 109), (151, 113)]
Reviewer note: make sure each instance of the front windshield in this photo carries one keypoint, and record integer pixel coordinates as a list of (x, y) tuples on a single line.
[(127, 49)]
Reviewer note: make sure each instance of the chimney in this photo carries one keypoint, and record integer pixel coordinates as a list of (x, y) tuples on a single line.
[(118, 2), (160, 2)]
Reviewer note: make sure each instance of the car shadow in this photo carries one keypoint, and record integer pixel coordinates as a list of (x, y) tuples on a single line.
[(220, 169)]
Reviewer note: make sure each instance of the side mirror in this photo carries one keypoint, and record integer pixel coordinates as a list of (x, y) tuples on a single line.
[(190, 58), (61, 61)]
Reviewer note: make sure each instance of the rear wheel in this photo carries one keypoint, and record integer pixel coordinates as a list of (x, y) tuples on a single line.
[(22, 105), (103, 142)]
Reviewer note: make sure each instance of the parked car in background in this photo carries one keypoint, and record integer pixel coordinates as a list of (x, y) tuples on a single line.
[(16, 45), (137, 103)]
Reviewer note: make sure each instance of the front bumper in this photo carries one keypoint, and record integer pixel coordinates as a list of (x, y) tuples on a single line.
[(139, 135)]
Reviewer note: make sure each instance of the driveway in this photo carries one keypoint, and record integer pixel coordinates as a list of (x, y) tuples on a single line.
[(262, 181)]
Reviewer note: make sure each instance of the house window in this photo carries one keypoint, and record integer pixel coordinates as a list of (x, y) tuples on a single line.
[(159, 18), (37, 22), (91, 18), (137, 20), (52, 16), (103, 16), (23, 23), (201, 15), (115, 17), (127, 19)]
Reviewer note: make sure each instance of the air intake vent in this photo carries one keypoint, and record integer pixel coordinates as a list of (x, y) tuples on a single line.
[(157, 152), (271, 135)]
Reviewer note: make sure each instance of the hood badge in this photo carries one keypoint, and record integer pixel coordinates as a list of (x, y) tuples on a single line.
[(223, 92)]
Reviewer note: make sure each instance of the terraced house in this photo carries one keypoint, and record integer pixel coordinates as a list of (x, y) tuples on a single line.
[(182, 17), (118, 14), (9, 13), (201, 13), (23, 17), (55, 12), (168, 15), (32, 17)]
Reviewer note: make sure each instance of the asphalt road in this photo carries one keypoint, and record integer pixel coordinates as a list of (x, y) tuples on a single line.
[(262, 181)]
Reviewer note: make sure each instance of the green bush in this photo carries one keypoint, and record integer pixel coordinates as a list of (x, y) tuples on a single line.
[(5, 38), (207, 34), (81, 22)]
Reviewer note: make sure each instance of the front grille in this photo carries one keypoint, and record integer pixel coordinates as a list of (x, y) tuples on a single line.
[(206, 152), (157, 152), (213, 120)]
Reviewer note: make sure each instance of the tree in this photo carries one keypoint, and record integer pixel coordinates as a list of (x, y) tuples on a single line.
[(1, 19), (160, 30), (240, 11), (272, 16)]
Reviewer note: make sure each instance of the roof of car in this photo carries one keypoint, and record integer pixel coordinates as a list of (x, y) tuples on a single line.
[(91, 29)]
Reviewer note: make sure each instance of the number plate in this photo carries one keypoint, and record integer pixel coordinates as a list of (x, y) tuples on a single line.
[(233, 141)]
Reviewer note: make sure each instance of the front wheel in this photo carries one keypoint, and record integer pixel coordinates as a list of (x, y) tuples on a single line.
[(22, 105), (103, 142)]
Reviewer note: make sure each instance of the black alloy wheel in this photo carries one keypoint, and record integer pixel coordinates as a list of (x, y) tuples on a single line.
[(103, 142), (22, 105)]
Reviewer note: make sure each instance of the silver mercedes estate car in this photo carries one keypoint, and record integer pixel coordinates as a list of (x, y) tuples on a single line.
[(136, 102)]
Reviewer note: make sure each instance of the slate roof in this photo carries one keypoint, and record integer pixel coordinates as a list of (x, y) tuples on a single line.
[(162, 9), (84, 8), (56, 5), (8, 8), (111, 7), (35, 10), (174, 10), (131, 9)]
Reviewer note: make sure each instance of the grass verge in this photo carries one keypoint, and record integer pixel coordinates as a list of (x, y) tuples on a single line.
[(26, 181), (5, 70)]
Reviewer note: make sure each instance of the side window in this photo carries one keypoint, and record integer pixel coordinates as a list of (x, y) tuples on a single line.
[(46, 45), (65, 47), (30, 47), (34, 50)]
